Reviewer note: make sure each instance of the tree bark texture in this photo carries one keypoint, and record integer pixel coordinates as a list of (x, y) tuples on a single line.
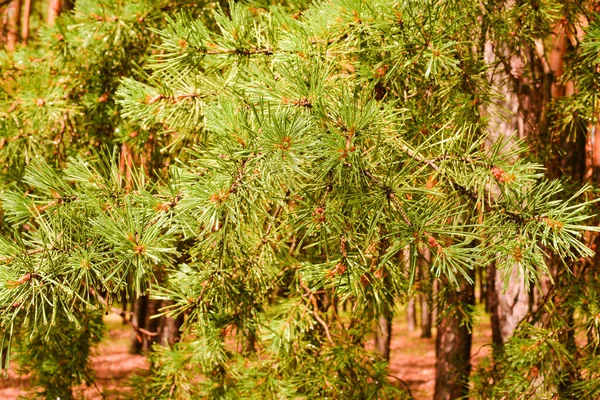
[(151, 325), (453, 344), (512, 303), (434, 307), (517, 114)]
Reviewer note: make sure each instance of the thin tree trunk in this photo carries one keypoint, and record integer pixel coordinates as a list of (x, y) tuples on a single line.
[(513, 303), (25, 27), (411, 315), (411, 312), (169, 330), (453, 345), (165, 331), (482, 286), (493, 305), (425, 317), (434, 294), (124, 305), (383, 333), (14, 22), (152, 325), (383, 336), (138, 318), (54, 9), (426, 296)]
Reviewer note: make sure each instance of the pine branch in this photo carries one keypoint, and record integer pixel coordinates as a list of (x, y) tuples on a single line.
[(244, 52), (313, 301), (390, 195)]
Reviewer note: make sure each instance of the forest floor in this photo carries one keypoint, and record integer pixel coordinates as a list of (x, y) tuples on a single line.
[(412, 360)]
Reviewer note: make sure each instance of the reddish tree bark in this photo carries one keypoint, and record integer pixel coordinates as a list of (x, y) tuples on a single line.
[(453, 344), (54, 9), (14, 22), (25, 27)]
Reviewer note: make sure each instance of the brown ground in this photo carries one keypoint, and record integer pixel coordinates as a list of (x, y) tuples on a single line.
[(412, 361)]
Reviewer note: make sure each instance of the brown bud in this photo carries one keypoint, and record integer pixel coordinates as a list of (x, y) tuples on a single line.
[(499, 174), (432, 242), (319, 214)]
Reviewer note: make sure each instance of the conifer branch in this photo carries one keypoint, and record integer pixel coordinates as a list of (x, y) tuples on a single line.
[(313, 301), (390, 195), (244, 52), (418, 157)]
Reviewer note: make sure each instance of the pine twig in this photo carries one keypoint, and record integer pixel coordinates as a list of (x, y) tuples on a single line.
[(320, 320), (390, 195)]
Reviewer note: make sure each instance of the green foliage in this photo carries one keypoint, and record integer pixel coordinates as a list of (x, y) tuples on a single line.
[(286, 164), (344, 371), (60, 360)]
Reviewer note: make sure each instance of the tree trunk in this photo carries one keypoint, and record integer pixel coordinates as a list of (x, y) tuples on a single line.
[(14, 23), (512, 304), (425, 317), (54, 9), (25, 27), (151, 325), (170, 330), (434, 293), (138, 317), (493, 305), (521, 112), (411, 312), (383, 335), (483, 297), (426, 296), (165, 331), (411, 315), (453, 344), (124, 306)]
